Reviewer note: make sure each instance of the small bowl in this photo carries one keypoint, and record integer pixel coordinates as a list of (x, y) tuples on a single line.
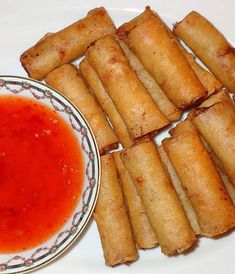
[(43, 254)]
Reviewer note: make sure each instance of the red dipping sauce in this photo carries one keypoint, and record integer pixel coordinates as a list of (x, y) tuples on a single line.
[(41, 173)]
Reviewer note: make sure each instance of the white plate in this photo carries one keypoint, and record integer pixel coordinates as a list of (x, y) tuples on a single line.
[(57, 244), (22, 23)]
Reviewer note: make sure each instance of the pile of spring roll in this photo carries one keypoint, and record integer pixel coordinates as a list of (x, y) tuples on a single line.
[(132, 83)]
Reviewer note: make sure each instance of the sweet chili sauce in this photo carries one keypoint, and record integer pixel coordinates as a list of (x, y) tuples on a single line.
[(41, 173)]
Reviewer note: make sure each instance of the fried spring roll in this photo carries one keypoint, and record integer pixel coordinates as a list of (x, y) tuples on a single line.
[(213, 206), (165, 105), (229, 186), (159, 198), (137, 108), (211, 100), (111, 217), (66, 45), (93, 81), (209, 82), (216, 124), (182, 127), (67, 80), (142, 230), (158, 51), (210, 46), (216, 98), (189, 210), (186, 125)]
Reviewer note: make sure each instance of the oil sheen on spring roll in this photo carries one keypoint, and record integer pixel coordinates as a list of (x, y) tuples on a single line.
[(158, 196), (165, 105), (209, 45), (229, 186), (182, 127), (93, 81), (216, 98), (150, 40), (186, 125), (133, 102), (213, 206), (111, 217), (67, 80), (216, 124), (221, 96), (207, 79), (143, 232), (66, 45), (209, 82), (189, 210)]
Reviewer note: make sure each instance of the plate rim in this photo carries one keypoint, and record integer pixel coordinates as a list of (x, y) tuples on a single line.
[(28, 269)]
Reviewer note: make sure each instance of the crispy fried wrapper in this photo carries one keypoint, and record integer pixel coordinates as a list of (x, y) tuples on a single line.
[(66, 45), (188, 208), (212, 204), (216, 123), (143, 232), (208, 80), (112, 219), (133, 102), (158, 51), (93, 81), (67, 80), (165, 105), (229, 186), (158, 196), (209, 45)]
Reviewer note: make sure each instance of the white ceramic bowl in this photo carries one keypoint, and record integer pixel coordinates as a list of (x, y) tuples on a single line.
[(31, 259)]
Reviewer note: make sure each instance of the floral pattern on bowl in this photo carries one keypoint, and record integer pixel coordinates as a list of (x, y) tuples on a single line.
[(37, 257)]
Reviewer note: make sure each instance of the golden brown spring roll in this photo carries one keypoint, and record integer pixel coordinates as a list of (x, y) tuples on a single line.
[(137, 108), (209, 82), (182, 127), (67, 80), (229, 186), (188, 208), (111, 217), (66, 45), (93, 81), (158, 196), (211, 100), (216, 124), (150, 40), (142, 230), (216, 98), (186, 125), (213, 206), (165, 105), (209, 45)]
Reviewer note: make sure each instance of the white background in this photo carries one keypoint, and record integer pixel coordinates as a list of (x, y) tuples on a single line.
[(24, 22)]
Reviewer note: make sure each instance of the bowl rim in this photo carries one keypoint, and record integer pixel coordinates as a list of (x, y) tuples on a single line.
[(88, 218)]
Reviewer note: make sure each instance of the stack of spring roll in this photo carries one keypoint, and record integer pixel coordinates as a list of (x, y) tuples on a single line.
[(132, 83)]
